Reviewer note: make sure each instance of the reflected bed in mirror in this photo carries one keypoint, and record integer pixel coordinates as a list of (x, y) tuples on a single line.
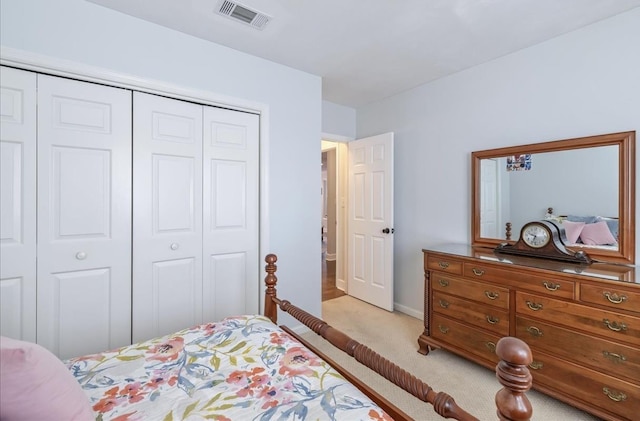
[(588, 182), (590, 231)]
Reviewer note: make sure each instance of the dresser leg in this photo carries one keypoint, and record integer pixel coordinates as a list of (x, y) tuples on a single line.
[(424, 346)]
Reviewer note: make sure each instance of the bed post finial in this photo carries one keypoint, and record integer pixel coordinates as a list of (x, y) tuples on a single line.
[(513, 374), (270, 307)]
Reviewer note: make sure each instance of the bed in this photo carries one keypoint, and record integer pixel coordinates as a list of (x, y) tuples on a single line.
[(245, 368), (591, 231)]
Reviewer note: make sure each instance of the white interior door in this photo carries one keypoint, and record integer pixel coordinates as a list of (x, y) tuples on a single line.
[(370, 232), (84, 216), (489, 199), (18, 204), (230, 207), (167, 215)]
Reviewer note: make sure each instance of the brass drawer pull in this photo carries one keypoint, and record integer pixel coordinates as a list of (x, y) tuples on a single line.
[(491, 295), (536, 365), (443, 282), (492, 320), (443, 329), (616, 358), (615, 298), (614, 395), (534, 306), (443, 265), (443, 303), (478, 272), (615, 326), (551, 286), (491, 346), (534, 331)]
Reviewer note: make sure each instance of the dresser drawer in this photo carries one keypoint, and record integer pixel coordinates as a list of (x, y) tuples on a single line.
[(444, 264), (465, 338), (602, 355), (617, 299), (546, 284), (618, 327), (592, 388), (477, 291), (486, 317)]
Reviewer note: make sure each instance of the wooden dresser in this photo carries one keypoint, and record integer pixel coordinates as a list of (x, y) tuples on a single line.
[(581, 322)]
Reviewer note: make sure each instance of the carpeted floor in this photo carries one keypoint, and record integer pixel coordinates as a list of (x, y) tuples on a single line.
[(394, 336)]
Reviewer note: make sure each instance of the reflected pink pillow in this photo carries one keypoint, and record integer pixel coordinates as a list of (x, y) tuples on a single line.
[(36, 385), (597, 234), (573, 230)]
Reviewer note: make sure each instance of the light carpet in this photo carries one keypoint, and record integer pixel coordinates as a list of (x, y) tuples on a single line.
[(394, 336)]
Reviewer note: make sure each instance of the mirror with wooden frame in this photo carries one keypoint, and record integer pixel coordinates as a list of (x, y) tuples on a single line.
[(585, 184)]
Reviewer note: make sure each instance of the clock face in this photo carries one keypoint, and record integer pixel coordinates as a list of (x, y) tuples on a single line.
[(535, 235)]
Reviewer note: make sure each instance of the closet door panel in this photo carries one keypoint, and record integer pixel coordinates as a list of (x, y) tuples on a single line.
[(230, 298), (230, 206), (77, 294), (84, 216), (80, 193), (18, 204), (175, 284), (167, 209)]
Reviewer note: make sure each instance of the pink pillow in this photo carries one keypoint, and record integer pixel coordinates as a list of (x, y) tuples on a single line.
[(573, 230), (597, 234), (36, 385)]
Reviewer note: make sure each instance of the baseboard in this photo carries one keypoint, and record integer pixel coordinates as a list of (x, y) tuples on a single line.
[(330, 257), (408, 311), (341, 284)]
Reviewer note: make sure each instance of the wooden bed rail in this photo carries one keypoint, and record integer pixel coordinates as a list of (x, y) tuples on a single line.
[(512, 372)]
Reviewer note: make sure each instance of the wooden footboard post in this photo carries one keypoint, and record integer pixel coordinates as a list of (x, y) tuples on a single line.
[(270, 306), (513, 374)]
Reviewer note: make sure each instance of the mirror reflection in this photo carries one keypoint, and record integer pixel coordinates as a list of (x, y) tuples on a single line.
[(587, 184), (576, 188)]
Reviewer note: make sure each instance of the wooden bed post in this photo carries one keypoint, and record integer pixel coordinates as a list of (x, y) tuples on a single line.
[(512, 372), (270, 306)]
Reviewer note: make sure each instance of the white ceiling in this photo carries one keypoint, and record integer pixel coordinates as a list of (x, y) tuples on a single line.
[(366, 50)]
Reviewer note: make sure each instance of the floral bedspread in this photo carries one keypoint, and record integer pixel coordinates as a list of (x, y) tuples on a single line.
[(242, 368)]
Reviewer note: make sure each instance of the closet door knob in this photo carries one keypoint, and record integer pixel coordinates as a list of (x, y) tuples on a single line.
[(81, 255), (174, 246)]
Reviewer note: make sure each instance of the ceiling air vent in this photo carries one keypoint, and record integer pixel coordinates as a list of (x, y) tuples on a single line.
[(243, 14)]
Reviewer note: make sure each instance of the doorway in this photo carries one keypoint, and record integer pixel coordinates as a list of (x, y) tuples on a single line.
[(333, 280), (369, 161)]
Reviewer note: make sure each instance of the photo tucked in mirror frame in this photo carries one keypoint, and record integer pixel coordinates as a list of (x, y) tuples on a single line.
[(585, 184)]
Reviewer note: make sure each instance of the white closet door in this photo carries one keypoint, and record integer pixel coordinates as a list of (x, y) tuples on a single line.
[(231, 204), (167, 213), (18, 204), (84, 216)]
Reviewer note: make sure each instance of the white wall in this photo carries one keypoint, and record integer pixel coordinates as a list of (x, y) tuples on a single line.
[(583, 83), (338, 120), (89, 34)]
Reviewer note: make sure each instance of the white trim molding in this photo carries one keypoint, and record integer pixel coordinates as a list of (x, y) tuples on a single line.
[(66, 68), (335, 137)]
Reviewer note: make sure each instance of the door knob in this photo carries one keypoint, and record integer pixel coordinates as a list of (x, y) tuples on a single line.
[(81, 255), (174, 246), (387, 230)]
